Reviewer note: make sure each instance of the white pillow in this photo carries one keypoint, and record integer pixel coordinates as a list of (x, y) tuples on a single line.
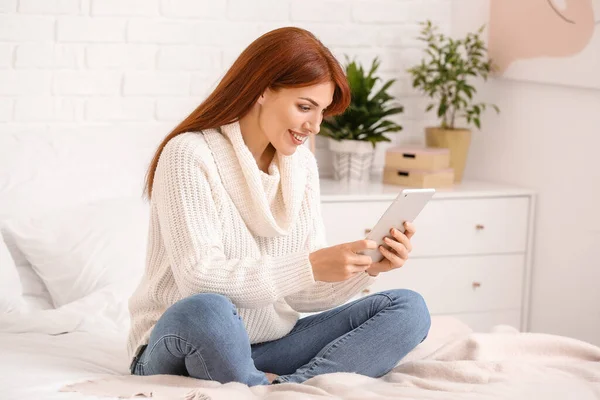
[(80, 250), (35, 293), (11, 292), (43, 169)]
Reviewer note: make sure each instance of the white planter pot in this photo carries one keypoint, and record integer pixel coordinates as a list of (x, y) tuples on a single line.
[(352, 159)]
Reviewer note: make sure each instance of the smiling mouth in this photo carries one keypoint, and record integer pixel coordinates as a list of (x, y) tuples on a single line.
[(298, 139)]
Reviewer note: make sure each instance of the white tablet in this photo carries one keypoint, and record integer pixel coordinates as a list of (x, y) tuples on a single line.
[(406, 207)]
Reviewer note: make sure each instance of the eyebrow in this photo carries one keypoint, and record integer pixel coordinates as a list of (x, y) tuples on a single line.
[(311, 100)]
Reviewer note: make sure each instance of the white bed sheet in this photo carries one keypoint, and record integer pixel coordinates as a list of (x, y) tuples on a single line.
[(36, 365), (452, 363)]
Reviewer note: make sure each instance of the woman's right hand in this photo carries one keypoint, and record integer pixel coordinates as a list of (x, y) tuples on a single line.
[(341, 262)]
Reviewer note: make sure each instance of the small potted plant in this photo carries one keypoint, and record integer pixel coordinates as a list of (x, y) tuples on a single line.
[(443, 76), (354, 134)]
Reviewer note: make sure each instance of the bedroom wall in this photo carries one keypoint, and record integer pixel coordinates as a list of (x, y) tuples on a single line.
[(145, 64), (547, 138)]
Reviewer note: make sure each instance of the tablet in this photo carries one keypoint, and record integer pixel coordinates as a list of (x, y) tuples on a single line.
[(406, 207)]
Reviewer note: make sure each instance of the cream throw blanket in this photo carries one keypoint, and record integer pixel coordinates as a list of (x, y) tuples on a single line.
[(452, 363)]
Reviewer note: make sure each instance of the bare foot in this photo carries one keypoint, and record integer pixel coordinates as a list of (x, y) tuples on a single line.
[(271, 377)]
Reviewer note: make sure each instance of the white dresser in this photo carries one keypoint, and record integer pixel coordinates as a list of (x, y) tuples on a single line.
[(471, 253)]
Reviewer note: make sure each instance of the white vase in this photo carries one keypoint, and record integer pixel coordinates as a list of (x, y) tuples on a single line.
[(352, 159)]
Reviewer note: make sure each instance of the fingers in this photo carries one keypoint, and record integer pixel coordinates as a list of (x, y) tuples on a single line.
[(355, 269), (359, 264), (402, 238), (361, 260), (398, 248), (361, 245), (409, 229), (395, 260)]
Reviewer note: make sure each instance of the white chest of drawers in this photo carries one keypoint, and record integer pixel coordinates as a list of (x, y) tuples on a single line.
[(471, 253)]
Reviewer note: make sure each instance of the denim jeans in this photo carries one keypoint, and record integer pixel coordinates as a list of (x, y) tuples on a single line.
[(202, 336)]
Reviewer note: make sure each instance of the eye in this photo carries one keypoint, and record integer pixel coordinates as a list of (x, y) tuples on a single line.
[(304, 108)]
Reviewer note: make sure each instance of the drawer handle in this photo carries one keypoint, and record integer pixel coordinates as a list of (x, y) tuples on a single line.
[(366, 291), (476, 285), (367, 231), (479, 227)]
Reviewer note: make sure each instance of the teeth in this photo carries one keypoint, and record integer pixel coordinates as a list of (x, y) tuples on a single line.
[(299, 138)]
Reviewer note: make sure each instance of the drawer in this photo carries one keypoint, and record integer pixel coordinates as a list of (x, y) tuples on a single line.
[(460, 284), (471, 226), (444, 227), (347, 221)]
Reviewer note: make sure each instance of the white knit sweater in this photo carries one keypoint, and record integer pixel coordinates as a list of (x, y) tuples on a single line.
[(218, 224)]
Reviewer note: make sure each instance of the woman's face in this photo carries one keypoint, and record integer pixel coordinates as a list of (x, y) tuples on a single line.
[(289, 116)]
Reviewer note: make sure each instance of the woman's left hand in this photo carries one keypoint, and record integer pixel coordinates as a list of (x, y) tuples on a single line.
[(400, 248)]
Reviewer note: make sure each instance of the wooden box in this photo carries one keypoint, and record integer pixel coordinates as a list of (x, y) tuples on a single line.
[(413, 157), (418, 177)]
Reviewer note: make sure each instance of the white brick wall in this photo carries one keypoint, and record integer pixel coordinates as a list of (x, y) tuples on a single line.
[(26, 28), (125, 63), (48, 55), (156, 83), (120, 109), (5, 55), (8, 6), (87, 82), (134, 8), (121, 56), (6, 109), (47, 108), (49, 6), (195, 9), (89, 29)]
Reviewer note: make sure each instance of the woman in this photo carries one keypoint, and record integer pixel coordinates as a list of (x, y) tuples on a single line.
[(236, 242)]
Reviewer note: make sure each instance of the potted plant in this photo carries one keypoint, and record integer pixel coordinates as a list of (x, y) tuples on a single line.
[(354, 134), (443, 76)]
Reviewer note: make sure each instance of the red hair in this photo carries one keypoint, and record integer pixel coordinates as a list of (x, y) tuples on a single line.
[(283, 58)]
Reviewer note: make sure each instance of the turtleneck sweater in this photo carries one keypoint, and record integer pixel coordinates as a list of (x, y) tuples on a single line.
[(218, 224)]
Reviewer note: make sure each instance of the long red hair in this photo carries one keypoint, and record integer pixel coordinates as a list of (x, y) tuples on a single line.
[(283, 58)]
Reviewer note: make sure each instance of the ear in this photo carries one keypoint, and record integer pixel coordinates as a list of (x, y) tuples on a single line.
[(261, 99), (263, 96)]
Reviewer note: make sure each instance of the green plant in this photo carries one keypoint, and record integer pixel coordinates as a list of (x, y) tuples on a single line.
[(443, 76), (364, 117)]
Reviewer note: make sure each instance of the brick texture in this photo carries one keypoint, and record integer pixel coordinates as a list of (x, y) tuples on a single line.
[(151, 62)]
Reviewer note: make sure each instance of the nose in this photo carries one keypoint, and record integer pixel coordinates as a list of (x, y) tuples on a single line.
[(313, 126)]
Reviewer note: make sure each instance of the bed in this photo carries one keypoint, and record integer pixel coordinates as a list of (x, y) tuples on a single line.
[(73, 246)]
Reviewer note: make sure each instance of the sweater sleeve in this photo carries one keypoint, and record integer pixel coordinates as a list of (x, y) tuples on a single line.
[(324, 295), (191, 230)]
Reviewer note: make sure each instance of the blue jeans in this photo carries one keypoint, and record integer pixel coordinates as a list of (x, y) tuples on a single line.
[(202, 336)]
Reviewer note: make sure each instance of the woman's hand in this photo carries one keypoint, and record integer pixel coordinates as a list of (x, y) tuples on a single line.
[(341, 262), (400, 248)]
